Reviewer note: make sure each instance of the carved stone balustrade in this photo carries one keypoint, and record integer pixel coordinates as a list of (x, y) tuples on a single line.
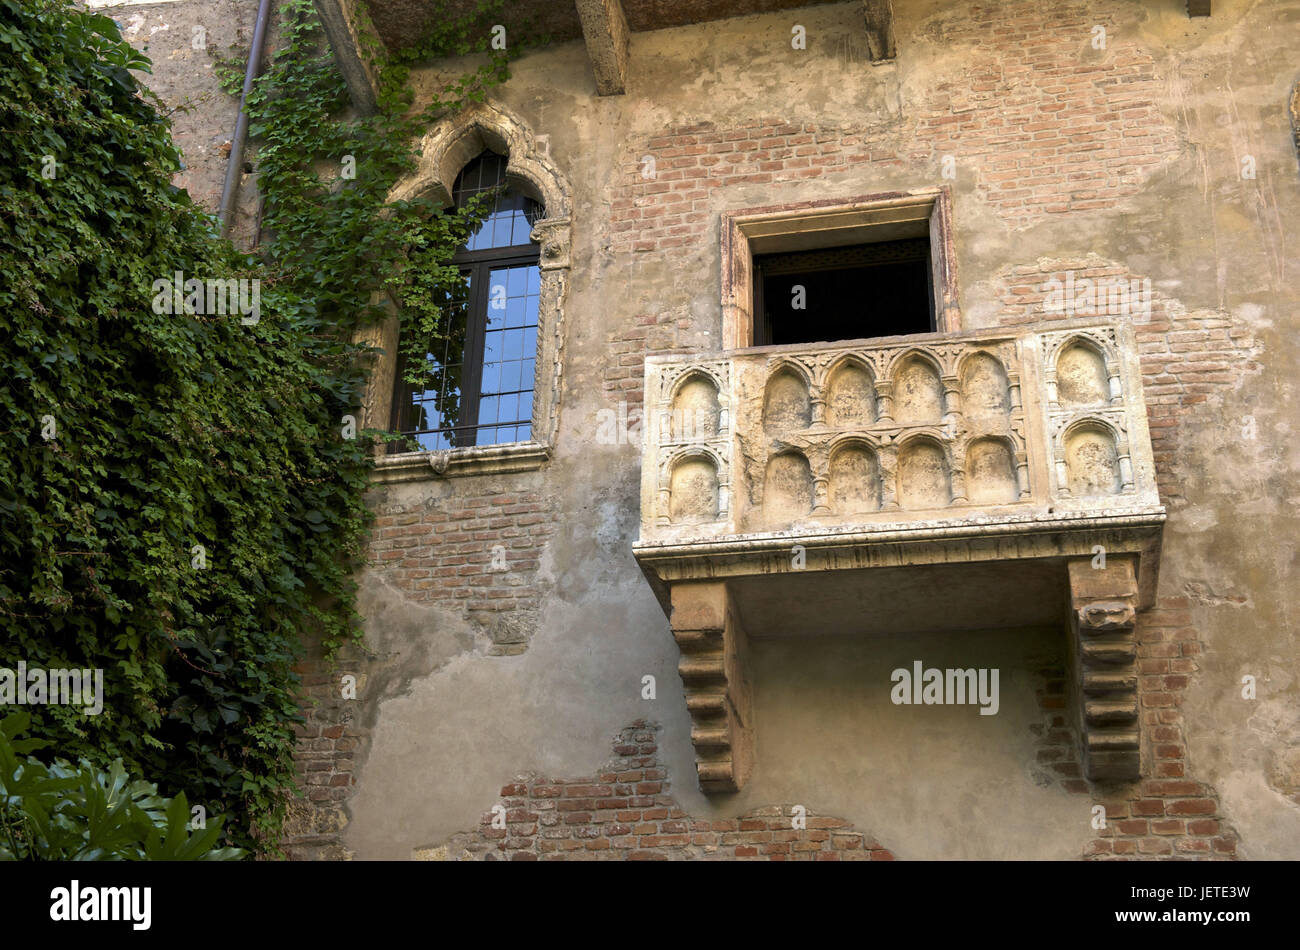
[(918, 483)]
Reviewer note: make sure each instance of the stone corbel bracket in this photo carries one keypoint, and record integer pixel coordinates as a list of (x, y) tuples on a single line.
[(715, 676), (604, 27), (1103, 618), (879, 16)]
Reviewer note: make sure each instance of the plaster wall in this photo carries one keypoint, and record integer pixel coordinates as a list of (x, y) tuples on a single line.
[(927, 781), (1141, 178)]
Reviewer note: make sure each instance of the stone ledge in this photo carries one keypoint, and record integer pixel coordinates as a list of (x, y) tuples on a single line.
[(1058, 535), (470, 460)]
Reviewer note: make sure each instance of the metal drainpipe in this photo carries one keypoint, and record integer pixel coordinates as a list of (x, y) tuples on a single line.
[(235, 168)]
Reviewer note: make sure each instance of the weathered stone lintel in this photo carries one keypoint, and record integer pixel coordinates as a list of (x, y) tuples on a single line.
[(604, 27), (1103, 620), (351, 36), (715, 675)]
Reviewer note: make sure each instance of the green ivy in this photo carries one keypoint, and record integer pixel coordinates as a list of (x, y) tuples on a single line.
[(180, 505), (327, 176)]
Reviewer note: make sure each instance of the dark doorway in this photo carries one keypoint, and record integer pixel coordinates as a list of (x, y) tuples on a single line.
[(843, 293)]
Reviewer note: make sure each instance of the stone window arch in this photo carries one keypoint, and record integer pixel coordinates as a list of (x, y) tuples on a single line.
[(445, 151)]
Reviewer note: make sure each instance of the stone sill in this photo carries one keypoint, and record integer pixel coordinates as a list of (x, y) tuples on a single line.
[(471, 460)]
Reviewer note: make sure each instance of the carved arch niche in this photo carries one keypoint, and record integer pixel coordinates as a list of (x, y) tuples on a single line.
[(444, 151)]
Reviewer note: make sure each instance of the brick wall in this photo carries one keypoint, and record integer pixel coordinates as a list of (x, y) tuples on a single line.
[(329, 747), (440, 551), (1046, 123), (1043, 123), (1169, 813), (674, 207), (476, 551), (1188, 359), (624, 812), (623, 374)]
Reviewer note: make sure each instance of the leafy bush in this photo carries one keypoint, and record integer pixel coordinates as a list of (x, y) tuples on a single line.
[(178, 503), (61, 812), (180, 497)]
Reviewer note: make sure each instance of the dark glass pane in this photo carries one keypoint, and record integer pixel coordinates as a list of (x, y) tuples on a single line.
[(847, 293)]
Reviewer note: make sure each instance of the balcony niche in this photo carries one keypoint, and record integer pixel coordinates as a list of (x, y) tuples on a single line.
[(1092, 461), (695, 409), (918, 393), (787, 406), (854, 480), (787, 489), (990, 473), (851, 396), (1081, 377), (985, 391), (694, 490), (924, 480), (932, 482)]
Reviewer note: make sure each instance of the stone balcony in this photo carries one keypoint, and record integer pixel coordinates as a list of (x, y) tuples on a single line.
[(973, 481)]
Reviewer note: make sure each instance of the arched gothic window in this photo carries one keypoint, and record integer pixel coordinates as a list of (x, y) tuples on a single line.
[(483, 363)]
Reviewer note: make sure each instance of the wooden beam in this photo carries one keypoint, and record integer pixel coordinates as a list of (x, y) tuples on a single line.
[(354, 40), (604, 27), (1295, 117), (879, 15)]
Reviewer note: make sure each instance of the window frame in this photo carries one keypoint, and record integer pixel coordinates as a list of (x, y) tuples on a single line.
[(477, 265), (444, 151), (826, 223)]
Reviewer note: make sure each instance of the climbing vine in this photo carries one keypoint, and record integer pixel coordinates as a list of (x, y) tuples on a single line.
[(327, 176), (180, 487)]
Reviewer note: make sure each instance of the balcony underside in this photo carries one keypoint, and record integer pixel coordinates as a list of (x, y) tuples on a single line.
[(932, 577)]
